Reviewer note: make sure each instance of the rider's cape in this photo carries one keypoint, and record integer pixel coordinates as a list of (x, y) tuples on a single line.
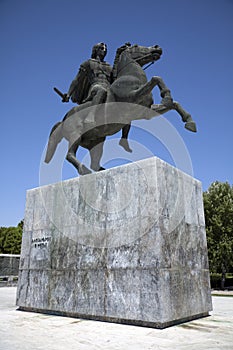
[(81, 84)]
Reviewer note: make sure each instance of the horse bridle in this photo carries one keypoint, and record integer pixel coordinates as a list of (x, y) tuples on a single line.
[(137, 59), (149, 63)]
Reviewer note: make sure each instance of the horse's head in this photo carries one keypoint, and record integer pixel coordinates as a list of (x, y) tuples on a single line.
[(143, 54)]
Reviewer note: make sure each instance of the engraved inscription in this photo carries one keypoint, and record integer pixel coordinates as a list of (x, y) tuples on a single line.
[(41, 242)]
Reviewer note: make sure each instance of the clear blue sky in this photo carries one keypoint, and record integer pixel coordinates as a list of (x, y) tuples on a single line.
[(43, 43)]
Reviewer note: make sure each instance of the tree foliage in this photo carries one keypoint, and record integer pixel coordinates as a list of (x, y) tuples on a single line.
[(10, 239), (218, 206)]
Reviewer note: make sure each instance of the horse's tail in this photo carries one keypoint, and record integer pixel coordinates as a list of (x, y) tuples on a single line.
[(54, 138)]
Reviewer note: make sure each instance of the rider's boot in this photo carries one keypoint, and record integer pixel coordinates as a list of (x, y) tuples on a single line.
[(124, 143), (124, 138)]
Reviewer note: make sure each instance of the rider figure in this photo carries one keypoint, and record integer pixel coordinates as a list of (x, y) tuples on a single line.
[(93, 79), (92, 84)]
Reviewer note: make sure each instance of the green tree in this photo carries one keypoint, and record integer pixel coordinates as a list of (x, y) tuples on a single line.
[(10, 239), (20, 224), (218, 206), (3, 234)]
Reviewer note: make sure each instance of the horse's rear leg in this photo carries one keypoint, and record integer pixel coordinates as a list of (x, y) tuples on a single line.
[(96, 153), (71, 157)]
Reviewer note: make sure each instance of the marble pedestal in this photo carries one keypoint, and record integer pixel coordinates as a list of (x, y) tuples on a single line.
[(124, 245)]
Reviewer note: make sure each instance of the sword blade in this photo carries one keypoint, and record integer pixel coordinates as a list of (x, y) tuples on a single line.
[(58, 92)]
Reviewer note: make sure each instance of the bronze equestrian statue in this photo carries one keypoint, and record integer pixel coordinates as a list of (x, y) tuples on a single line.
[(110, 105)]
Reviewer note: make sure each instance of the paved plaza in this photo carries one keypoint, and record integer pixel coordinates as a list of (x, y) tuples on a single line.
[(31, 331)]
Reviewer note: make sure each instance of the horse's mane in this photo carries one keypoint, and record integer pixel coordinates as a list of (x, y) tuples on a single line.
[(116, 60)]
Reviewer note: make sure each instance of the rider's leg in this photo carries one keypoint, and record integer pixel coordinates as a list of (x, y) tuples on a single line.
[(124, 138), (99, 94)]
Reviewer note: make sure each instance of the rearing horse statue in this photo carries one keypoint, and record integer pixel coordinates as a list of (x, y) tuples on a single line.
[(129, 98)]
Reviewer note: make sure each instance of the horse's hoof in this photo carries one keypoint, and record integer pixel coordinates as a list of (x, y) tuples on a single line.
[(84, 170), (101, 168), (191, 126), (124, 143)]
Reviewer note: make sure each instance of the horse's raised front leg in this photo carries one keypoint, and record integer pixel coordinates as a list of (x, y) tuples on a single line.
[(167, 101), (71, 157), (148, 87), (186, 117)]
